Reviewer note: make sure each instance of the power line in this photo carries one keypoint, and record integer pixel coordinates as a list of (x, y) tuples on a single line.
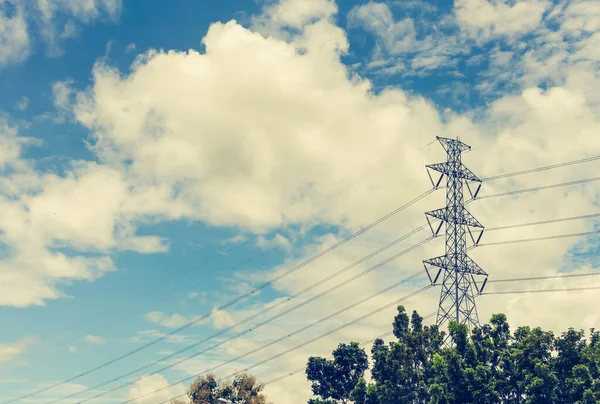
[(510, 292), (364, 343), (566, 219), (216, 257), (521, 191), (230, 303), (532, 239), (278, 379), (264, 311), (268, 283), (536, 278), (535, 170), (220, 254), (480, 197), (345, 325)]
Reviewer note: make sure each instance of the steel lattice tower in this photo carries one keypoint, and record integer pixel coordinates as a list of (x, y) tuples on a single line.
[(461, 273)]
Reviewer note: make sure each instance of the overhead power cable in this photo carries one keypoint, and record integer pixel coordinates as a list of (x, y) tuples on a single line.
[(538, 169), (254, 316), (537, 278), (269, 283), (218, 255), (512, 292), (270, 308), (321, 336), (532, 239), (112, 309), (565, 219), (362, 344), (230, 303), (521, 191)]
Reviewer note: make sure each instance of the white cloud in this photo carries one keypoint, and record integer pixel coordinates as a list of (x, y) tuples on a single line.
[(145, 336), (298, 13), (75, 11), (527, 43), (144, 244), (22, 104), (9, 352), (61, 91), (407, 46), (275, 241), (173, 321), (397, 36), (95, 339), (580, 17), (485, 19), (280, 16), (53, 20), (11, 144), (90, 209), (14, 37), (147, 385), (72, 349), (271, 179), (221, 319)]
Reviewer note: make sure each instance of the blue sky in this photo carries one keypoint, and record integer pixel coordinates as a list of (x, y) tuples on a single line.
[(160, 159)]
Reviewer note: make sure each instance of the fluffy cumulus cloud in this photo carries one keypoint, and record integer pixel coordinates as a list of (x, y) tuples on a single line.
[(61, 228), (54, 20), (273, 154)]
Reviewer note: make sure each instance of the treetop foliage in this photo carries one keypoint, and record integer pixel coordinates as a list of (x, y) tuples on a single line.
[(243, 389), (488, 365)]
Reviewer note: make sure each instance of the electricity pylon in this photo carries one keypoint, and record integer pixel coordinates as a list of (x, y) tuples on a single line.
[(461, 273)]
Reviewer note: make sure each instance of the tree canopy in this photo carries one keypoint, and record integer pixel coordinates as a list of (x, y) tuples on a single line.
[(243, 389), (488, 365)]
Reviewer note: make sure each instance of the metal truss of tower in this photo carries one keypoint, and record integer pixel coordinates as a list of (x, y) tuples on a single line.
[(461, 275)]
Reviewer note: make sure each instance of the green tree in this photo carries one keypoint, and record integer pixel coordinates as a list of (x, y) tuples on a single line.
[(487, 365), (334, 380), (243, 389)]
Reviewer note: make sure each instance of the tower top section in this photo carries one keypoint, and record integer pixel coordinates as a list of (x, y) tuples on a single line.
[(452, 144)]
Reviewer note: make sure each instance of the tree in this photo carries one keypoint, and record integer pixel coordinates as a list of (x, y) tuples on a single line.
[(334, 380), (243, 389), (487, 365)]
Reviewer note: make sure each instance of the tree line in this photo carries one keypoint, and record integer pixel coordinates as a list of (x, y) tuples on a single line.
[(425, 365), (488, 365)]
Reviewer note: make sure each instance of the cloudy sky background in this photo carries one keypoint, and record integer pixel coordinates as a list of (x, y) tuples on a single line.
[(160, 159)]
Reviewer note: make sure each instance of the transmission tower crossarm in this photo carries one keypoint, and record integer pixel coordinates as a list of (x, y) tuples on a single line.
[(446, 214), (461, 171)]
